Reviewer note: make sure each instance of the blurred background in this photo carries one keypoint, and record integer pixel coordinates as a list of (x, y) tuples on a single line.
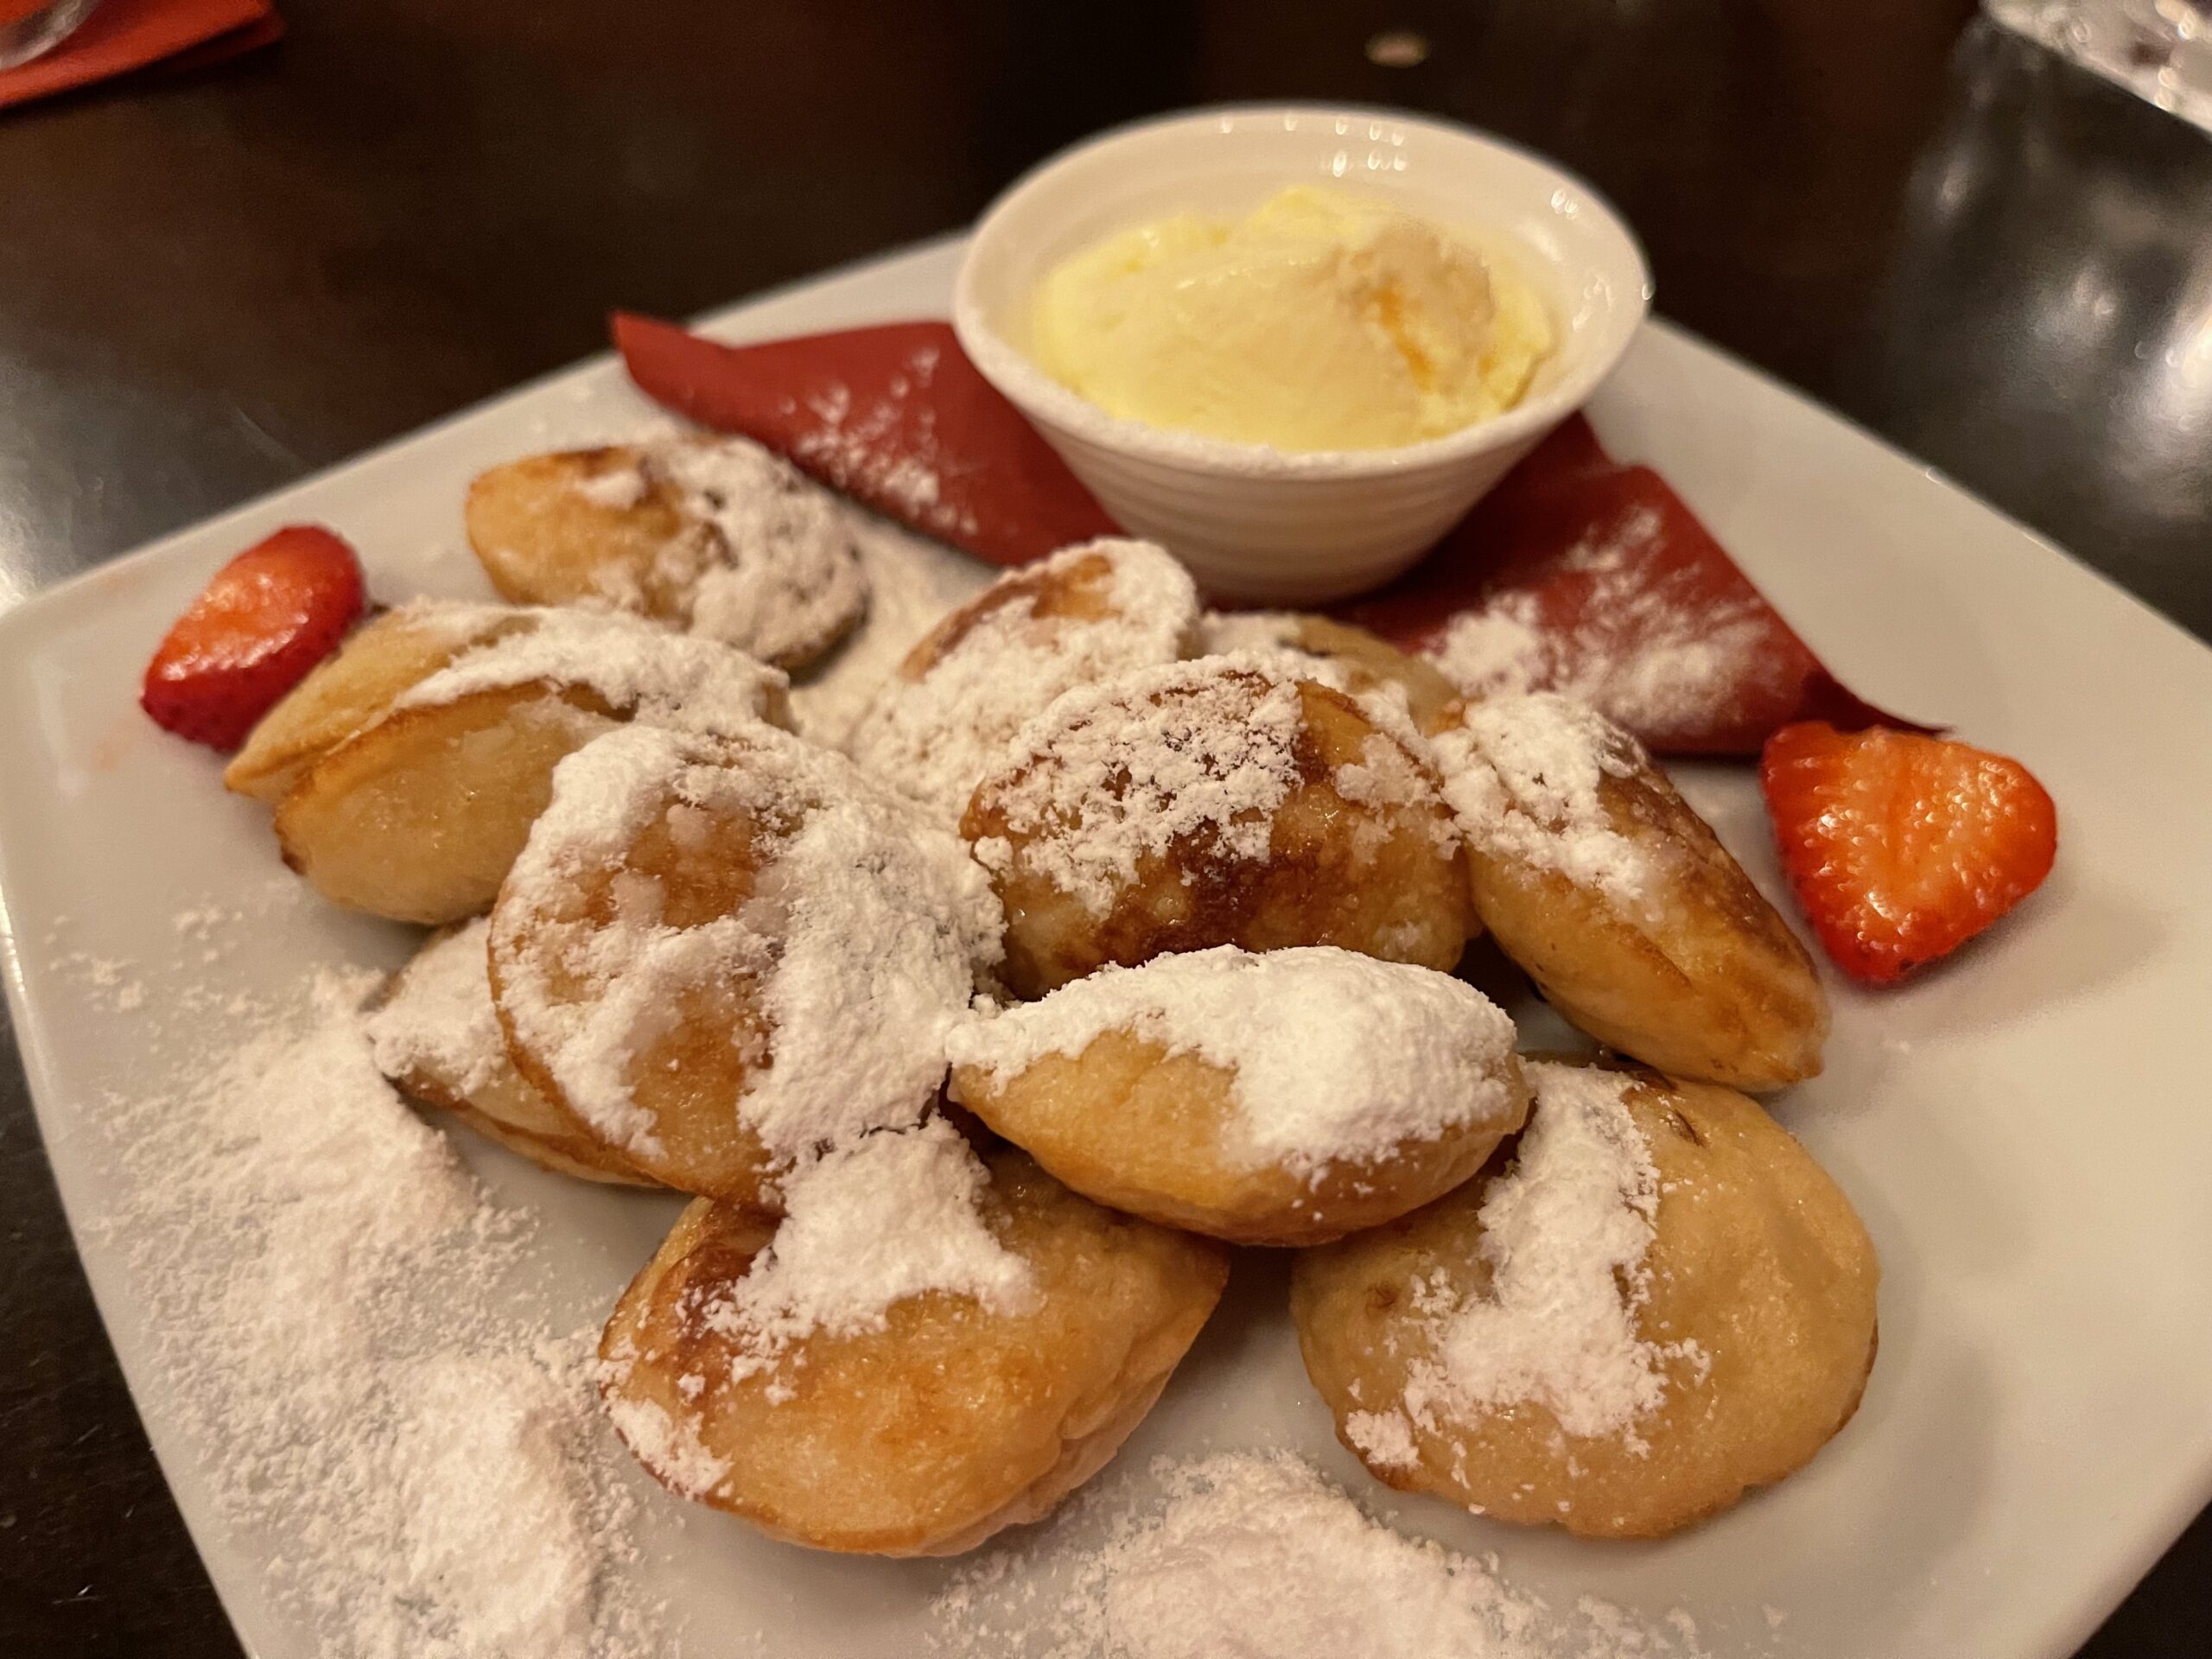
[(214, 280)]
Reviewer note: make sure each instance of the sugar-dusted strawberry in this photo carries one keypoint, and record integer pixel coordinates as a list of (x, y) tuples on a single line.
[(1901, 847), (269, 616)]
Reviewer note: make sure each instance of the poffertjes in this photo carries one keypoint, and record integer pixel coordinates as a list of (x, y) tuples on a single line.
[(717, 954), (927, 1350), (1657, 1302), (1088, 612), (1219, 801), (437, 1036), (1280, 1098), (1364, 663), (714, 535), (357, 684), (406, 771), (1593, 874)]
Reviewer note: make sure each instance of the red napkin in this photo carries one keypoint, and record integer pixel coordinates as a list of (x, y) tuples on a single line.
[(1581, 575), (895, 416), (125, 34), (1574, 574)]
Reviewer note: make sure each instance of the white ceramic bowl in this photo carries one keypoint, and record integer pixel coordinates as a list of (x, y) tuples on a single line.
[(1262, 524)]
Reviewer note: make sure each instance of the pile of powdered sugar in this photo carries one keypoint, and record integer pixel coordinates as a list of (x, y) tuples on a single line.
[(1115, 774), (1337, 1057), (935, 736), (1565, 1232), (498, 1556), (426, 1472), (1524, 777), (790, 579), (1255, 1556), (861, 941), (1655, 655), (867, 1225), (681, 681)]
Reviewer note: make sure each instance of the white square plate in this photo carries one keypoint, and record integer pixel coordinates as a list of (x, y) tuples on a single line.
[(2027, 1132)]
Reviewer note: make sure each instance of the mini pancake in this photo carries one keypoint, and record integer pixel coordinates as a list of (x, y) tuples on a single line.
[(437, 1036), (1656, 1303), (714, 535), (1086, 614), (416, 811), (1595, 876), (1283, 1098), (1220, 801), (1364, 663), (717, 954), (928, 1350), (357, 684)]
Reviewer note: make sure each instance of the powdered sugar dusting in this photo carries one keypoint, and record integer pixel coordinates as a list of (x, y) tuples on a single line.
[(1565, 1233), (1385, 1439), (912, 583), (790, 579), (888, 447), (617, 488), (286, 1212), (1255, 1556), (860, 940), (1281, 635), (1498, 651), (1337, 1056), (439, 1021), (681, 681), (1649, 649), (1396, 770), (934, 737), (866, 1226), (1223, 632), (458, 622), (489, 1439), (1524, 775), (1114, 773), (668, 1445)]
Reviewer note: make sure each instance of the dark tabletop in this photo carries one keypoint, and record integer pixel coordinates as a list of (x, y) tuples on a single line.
[(210, 283)]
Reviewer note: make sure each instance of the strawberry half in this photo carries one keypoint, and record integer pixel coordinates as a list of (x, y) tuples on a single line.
[(269, 616), (1901, 847)]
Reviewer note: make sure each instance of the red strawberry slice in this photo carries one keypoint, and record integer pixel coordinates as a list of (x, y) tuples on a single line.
[(269, 616), (1901, 847)]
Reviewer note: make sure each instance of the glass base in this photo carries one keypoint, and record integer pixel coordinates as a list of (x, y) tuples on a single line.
[(24, 38), (2160, 50)]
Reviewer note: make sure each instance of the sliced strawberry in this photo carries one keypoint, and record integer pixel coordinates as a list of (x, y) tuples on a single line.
[(269, 616), (1901, 847)]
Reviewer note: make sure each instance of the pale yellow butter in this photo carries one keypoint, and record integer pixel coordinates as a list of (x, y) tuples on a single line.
[(1321, 321)]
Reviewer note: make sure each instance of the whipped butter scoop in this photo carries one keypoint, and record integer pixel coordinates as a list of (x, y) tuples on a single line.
[(1320, 320)]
